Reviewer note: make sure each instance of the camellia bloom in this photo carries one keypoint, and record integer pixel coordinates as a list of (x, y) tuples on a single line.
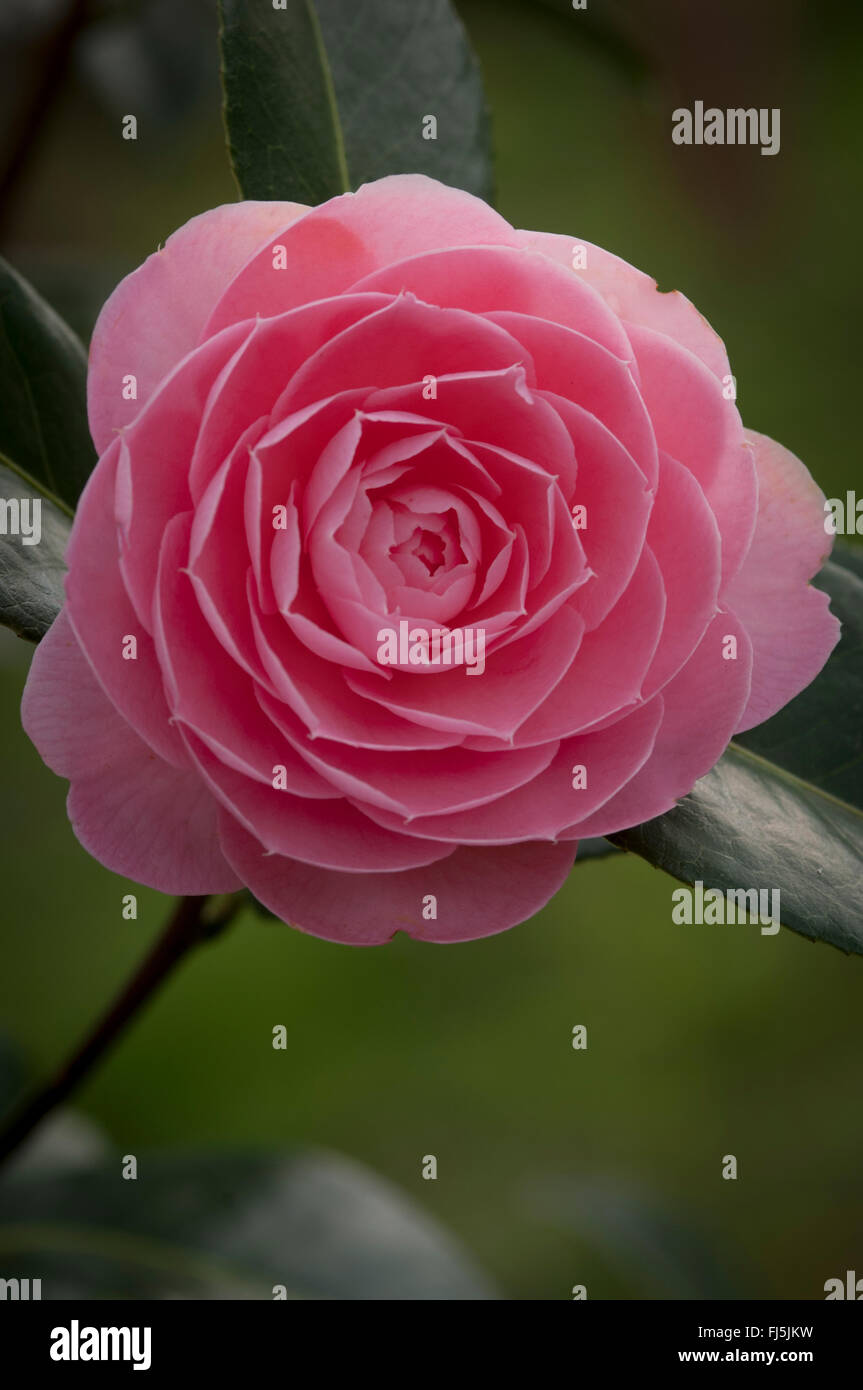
[(331, 440)]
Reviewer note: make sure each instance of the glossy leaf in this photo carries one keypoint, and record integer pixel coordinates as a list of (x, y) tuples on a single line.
[(783, 808), (324, 95), (31, 575), (44, 434)]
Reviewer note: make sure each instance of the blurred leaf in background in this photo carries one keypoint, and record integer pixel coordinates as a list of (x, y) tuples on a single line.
[(212, 1225), (653, 1243), (154, 58)]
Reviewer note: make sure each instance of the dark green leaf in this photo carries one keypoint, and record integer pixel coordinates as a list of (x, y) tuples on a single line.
[(43, 375), (653, 1249), (850, 557), (748, 824), (227, 1226), (783, 808), (595, 848), (325, 95), (31, 576), (819, 736)]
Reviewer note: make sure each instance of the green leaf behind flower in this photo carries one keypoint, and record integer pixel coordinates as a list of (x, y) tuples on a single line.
[(31, 576), (783, 808), (44, 434), (324, 95)]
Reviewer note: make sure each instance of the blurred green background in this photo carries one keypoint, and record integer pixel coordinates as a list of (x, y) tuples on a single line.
[(555, 1167)]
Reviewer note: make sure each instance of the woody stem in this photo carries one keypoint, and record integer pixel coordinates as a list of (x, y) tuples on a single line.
[(188, 926)]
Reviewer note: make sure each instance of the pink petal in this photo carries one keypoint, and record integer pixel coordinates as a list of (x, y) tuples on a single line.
[(542, 809), (609, 668), (99, 611), (336, 244), (218, 561), (153, 471), (495, 407), (489, 279), (209, 693), (701, 708), (573, 366), (479, 891), (404, 342), (788, 622), (496, 702), (696, 425), (684, 538), (315, 690), (309, 620), (634, 296), (251, 384), (618, 502), (330, 834), (426, 783), (156, 315), (284, 457), (133, 812)]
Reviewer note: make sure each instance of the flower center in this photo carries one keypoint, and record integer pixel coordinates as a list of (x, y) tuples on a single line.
[(427, 546)]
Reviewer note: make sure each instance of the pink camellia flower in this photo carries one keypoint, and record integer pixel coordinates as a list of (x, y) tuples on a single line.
[(335, 440)]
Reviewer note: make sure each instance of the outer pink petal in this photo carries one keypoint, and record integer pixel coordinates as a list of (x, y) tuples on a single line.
[(478, 890), (133, 812), (101, 614), (338, 243), (153, 470), (788, 622), (634, 296), (156, 315)]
